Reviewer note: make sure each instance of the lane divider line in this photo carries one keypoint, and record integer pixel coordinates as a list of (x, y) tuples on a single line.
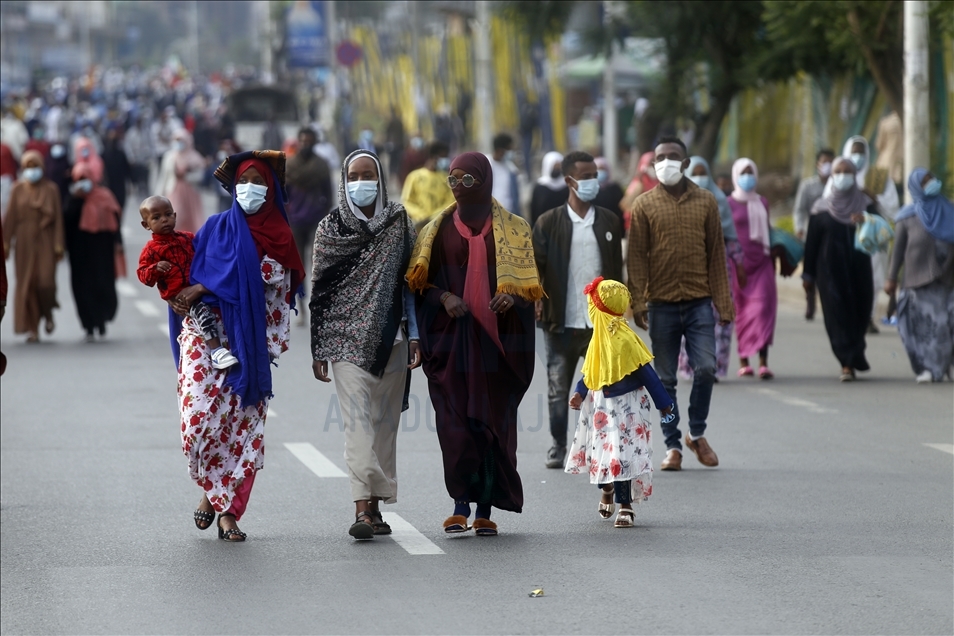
[(945, 448), (408, 537), (126, 289), (147, 308), (271, 413), (312, 458), (794, 401)]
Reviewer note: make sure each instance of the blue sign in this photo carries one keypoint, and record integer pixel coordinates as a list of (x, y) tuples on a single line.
[(307, 35)]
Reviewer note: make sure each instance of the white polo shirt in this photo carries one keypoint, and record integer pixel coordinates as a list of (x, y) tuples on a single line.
[(585, 265)]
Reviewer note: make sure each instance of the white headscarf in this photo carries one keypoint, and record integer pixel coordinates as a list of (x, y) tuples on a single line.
[(378, 203), (550, 161), (758, 215)]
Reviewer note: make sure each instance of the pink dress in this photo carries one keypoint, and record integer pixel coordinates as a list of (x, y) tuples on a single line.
[(756, 304)]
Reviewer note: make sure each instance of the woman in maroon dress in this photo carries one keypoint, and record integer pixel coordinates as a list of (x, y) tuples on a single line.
[(474, 270)]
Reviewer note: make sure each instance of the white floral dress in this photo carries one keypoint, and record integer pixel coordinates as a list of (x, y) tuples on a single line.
[(613, 441), (223, 439)]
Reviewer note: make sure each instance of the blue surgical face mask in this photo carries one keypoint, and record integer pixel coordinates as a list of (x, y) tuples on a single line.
[(842, 181), (858, 159), (57, 151), (84, 152), (747, 182), (443, 164), (508, 156), (701, 180), (33, 174), (601, 176), (587, 189), (363, 193), (931, 189), (250, 196)]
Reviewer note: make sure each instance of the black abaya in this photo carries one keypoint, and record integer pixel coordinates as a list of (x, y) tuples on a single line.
[(843, 277), (92, 270)]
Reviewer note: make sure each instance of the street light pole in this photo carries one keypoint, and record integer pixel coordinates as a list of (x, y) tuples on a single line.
[(917, 134), (482, 50), (610, 123)]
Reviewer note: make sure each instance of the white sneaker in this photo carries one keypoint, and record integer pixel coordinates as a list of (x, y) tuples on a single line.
[(222, 358), (924, 377)]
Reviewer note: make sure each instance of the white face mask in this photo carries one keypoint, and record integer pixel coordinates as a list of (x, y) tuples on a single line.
[(669, 171), (33, 174), (842, 181), (587, 189), (250, 196), (858, 159), (824, 169)]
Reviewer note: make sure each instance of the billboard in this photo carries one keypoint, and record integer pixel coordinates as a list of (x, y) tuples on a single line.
[(306, 31)]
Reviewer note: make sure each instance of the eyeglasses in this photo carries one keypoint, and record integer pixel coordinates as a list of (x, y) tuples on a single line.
[(467, 181)]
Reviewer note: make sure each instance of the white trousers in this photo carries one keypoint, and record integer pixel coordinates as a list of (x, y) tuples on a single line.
[(371, 410)]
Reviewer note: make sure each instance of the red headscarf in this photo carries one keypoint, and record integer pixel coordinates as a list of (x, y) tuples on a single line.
[(474, 204), (270, 230)]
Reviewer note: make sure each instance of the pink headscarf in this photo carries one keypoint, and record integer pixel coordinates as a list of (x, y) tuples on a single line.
[(93, 160), (758, 215)]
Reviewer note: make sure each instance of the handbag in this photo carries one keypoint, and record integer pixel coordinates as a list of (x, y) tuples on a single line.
[(873, 235), (787, 248)]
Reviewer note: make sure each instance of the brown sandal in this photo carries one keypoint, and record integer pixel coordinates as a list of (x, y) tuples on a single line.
[(455, 524)]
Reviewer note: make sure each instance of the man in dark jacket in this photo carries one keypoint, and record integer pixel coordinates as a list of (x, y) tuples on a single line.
[(573, 244)]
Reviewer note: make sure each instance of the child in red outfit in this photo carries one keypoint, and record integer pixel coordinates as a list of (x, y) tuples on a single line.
[(164, 263)]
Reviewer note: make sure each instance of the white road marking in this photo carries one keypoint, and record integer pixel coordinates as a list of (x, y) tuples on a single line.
[(163, 328), (271, 413), (794, 401), (126, 289), (408, 537), (147, 308), (947, 448), (314, 460)]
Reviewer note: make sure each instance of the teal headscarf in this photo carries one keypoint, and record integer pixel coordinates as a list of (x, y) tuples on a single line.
[(725, 213)]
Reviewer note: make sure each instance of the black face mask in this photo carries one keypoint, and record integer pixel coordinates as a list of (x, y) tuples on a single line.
[(556, 174)]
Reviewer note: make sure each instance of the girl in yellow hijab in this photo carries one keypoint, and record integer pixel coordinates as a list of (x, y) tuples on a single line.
[(613, 442)]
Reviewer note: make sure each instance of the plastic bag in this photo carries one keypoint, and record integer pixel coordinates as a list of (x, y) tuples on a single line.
[(873, 235)]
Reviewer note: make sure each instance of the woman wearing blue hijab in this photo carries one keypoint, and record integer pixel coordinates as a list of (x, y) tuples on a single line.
[(700, 174), (924, 245)]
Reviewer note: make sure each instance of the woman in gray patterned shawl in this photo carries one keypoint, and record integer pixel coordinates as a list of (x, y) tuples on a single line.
[(363, 322)]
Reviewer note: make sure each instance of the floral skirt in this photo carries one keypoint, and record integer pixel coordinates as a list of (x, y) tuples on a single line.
[(926, 325), (613, 441)]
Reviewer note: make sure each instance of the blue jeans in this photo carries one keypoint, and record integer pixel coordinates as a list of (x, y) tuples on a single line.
[(564, 351), (668, 323)]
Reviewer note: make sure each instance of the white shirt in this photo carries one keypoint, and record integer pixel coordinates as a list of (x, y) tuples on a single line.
[(503, 185), (585, 265)]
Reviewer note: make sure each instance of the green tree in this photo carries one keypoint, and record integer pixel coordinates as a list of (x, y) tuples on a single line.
[(821, 37)]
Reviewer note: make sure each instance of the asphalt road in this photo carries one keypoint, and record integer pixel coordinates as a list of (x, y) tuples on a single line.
[(831, 512)]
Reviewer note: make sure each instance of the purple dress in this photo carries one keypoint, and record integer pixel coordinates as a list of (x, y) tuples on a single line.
[(756, 304)]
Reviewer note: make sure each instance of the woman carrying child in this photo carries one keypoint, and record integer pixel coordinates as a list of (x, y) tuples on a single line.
[(613, 441), (247, 268)]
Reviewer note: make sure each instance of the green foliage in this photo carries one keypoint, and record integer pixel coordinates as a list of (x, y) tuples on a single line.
[(540, 20)]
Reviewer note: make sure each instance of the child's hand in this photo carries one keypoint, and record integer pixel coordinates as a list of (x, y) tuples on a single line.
[(666, 415), (163, 267), (667, 410), (575, 401)]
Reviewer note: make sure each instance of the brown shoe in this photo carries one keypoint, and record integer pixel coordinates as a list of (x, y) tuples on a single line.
[(673, 460), (703, 451)]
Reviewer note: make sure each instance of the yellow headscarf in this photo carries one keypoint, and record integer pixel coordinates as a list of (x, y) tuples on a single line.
[(615, 350)]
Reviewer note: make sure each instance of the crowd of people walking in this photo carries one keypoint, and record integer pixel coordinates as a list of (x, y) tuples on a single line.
[(454, 279)]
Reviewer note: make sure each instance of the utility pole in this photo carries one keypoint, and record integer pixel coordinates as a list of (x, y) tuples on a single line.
[(482, 50), (194, 35), (610, 123), (327, 115), (917, 134), (265, 15)]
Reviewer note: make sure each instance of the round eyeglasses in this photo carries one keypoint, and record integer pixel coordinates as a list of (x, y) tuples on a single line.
[(467, 181)]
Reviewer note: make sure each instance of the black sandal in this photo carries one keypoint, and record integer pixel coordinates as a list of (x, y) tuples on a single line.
[(226, 535), (201, 516), (379, 524), (362, 530)]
